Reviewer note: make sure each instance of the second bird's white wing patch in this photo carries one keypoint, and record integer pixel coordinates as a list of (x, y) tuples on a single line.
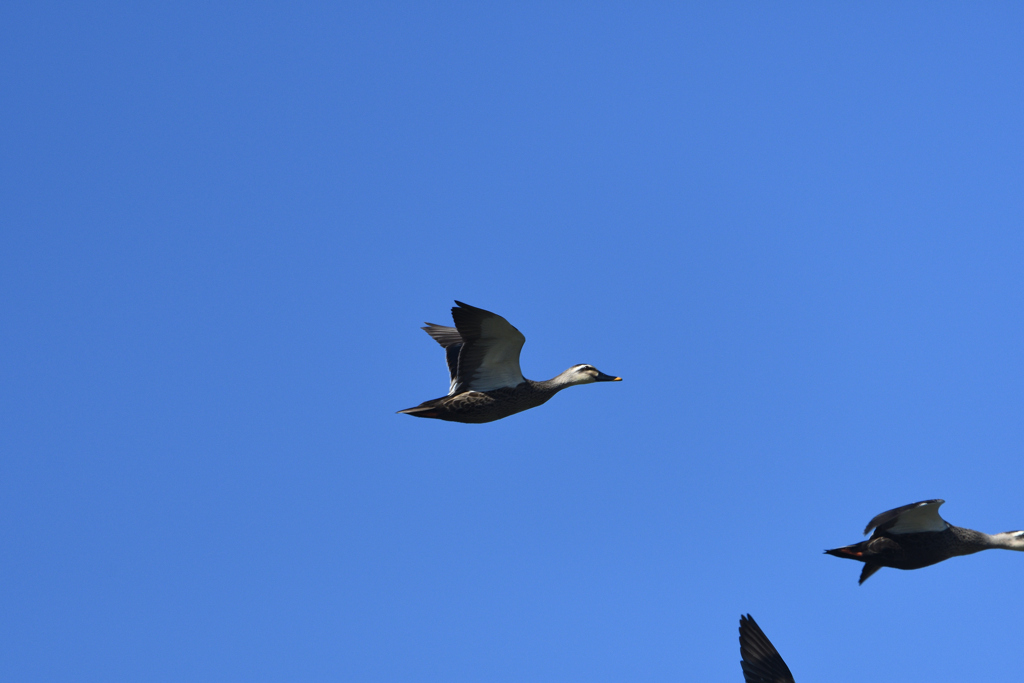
[(923, 518)]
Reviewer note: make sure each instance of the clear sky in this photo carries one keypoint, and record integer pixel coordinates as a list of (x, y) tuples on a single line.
[(796, 232)]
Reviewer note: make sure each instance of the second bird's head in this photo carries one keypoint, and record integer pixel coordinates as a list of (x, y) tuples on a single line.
[(585, 374)]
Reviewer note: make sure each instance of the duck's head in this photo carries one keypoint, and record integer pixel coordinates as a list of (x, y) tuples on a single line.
[(586, 374), (1011, 540)]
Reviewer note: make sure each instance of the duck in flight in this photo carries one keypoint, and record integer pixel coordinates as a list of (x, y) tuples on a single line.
[(914, 536), (761, 662), (483, 361)]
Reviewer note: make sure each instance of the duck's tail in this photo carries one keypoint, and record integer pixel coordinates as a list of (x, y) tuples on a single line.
[(856, 552), (420, 411), (850, 552)]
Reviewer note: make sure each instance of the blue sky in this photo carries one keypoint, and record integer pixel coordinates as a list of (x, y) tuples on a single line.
[(795, 231)]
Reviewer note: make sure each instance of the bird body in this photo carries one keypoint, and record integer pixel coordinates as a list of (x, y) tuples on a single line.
[(487, 384), (484, 406), (915, 536)]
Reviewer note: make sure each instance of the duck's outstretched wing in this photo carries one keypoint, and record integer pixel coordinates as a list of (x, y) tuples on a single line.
[(449, 339), (761, 662), (445, 336), (910, 519), (489, 357), (867, 571)]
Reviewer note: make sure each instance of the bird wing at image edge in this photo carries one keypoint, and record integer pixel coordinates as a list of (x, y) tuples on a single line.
[(761, 662)]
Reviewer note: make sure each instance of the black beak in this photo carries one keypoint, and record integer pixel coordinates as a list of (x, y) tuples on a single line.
[(601, 377)]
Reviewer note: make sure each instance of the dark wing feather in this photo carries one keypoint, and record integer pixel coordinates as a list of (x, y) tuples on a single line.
[(490, 352), (867, 571), (922, 509), (761, 662), (445, 336), (451, 354), (450, 339)]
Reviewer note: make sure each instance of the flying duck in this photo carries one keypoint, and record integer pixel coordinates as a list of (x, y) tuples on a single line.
[(914, 536), (761, 662), (483, 361)]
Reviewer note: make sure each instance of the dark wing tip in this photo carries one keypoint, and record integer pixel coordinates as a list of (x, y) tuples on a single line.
[(443, 335), (462, 305), (464, 308), (759, 658), (867, 571)]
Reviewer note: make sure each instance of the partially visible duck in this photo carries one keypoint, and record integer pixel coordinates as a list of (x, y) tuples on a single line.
[(915, 536), (483, 361), (761, 662)]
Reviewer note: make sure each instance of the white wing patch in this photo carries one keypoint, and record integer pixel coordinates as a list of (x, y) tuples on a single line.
[(501, 344), (924, 517)]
